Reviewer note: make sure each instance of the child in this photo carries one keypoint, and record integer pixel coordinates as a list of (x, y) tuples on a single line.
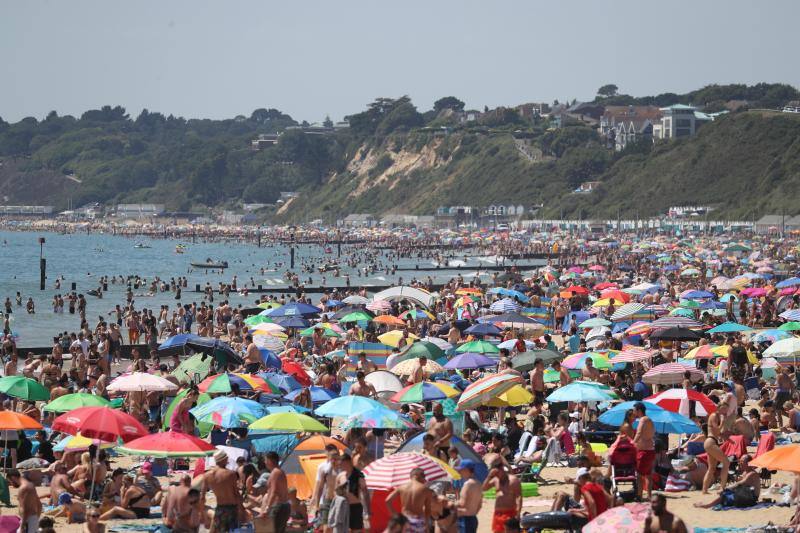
[(298, 518), (339, 514), (75, 511)]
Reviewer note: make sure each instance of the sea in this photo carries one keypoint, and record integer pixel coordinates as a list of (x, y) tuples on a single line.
[(83, 259)]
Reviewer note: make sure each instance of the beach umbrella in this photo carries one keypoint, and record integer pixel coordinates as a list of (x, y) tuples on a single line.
[(441, 343), (771, 335), (347, 406), (394, 470), (141, 381), (296, 370), (663, 420), (671, 374), (222, 383), (631, 354), (506, 305), (193, 369), (380, 306), (784, 349), (678, 401), (294, 322), (465, 451), (511, 319), (676, 334), (101, 423), (228, 412), (327, 332), (388, 320), (483, 390), (77, 443), (469, 291), (419, 349), (13, 421), (313, 445), (68, 402), (355, 299), (269, 305), (626, 311), (480, 346), (786, 458), (177, 344), (405, 368), (516, 395), (284, 382), (581, 391), (626, 518), (288, 422), (356, 316), (551, 376), (378, 418), (470, 360), (384, 381), (675, 322), (392, 338), (594, 323), (264, 326), (791, 315), (729, 327), (484, 329), (416, 314), (269, 342), (259, 319), (511, 343), (168, 444), (24, 388), (424, 392), (708, 351), (294, 309), (790, 326), (319, 395), (577, 361), (511, 293), (638, 328)]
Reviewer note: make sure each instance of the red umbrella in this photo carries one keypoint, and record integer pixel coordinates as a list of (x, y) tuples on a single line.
[(296, 369), (605, 285), (168, 444), (577, 289), (677, 401), (103, 423), (618, 295)]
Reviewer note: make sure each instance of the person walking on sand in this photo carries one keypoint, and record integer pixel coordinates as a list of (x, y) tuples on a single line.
[(660, 520), (415, 502), (276, 506), (30, 506), (222, 482), (508, 490), (470, 498), (644, 440)]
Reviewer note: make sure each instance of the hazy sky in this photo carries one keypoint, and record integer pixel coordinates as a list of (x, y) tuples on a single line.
[(308, 58)]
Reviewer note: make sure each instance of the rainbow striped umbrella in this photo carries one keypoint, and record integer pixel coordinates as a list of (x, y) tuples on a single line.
[(168, 444), (632, 355), (482, 347), (708, 351), (423, 392), (378, 418), (221, 383), (486, 388), (639, 328), (577, 361), (227, 412)]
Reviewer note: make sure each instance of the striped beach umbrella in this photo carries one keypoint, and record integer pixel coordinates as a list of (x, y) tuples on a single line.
[(394, 470), (506, 305), (784, 349), (424, 392), (632, 354), (639, 328), (670, 374), (577, 361), (221, 383), (482, 347), (675, 322), (480, 392), (677, 401), (708, 351), (381, 306), (626, 311)]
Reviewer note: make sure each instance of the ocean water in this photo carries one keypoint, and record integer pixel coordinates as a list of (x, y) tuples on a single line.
[(84, 259)]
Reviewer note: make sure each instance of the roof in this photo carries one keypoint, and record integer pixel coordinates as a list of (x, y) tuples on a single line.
[(678, 106), (639, 116), (771, 220)]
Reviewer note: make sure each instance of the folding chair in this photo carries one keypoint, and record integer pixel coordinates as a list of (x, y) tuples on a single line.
[(535, 472), (623, 465), (524, 441)]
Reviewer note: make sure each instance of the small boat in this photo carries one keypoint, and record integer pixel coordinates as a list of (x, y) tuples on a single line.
[(209, 264), (141, 245), (327, 267), (179, 249)]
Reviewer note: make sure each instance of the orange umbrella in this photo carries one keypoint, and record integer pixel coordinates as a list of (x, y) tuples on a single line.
[(618, 295), (17, 421), (389, 320), (784, 458)]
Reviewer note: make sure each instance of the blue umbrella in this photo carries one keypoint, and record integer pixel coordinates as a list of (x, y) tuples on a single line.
[(318, 394), (510, 292), (579, 391), (663, 420), (696, 294), (295, 309), (178, 342), (270, 359), (470, 360), (790, 282), (284, 382), (271, 410), (294, 322), (483, 329), (771, 335), (465, 451), (347, 406), (228, 412), (729, 327)]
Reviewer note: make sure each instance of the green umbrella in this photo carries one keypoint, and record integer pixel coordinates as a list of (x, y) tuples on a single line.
[(421, 349), (68, 402), (689, 304), (524, 361), (117, 403), (288, 422), (551, 376), (257, 319), (356, 316), (326, 332), (790, 326), (204, 427), (25, 388), (194, 369), (478, 347)]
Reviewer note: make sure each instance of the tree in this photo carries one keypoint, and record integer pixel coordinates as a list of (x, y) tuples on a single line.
[(448, 102), (328, 123), (608, 90)]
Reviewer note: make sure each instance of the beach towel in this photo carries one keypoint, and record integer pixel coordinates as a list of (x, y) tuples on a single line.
[(9, 523), (762, 505), (765, 443), (677, 484), (199, 468)]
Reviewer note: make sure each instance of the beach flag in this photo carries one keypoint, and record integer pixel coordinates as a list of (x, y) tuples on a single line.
[(376, 352), (539, 314)]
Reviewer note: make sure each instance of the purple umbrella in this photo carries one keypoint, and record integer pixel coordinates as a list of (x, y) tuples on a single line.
[(470, 360)]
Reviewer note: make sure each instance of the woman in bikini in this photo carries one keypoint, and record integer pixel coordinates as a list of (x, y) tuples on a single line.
[(713, 432)]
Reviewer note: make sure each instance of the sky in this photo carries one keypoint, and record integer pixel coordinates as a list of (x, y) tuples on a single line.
[(219, 59)]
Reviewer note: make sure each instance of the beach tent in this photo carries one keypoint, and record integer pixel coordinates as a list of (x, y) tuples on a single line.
[(407, 293), (295, 473)]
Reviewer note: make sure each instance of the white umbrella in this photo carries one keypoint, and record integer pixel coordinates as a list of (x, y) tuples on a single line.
[(141, 381), (506, 305), (384, 381), (785, 348), (269, 327), (379, 305), (269, 342), (355, 300), (441, 343)]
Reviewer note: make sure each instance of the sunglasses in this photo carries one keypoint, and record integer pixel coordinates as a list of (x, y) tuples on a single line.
[(92, 516)]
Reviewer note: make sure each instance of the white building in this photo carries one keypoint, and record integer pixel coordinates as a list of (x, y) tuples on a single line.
[(139, 210)]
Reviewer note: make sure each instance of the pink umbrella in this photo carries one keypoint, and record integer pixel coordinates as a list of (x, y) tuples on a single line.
[(575, 269), (394, 470), (632, 355), (628, 518), (670, 374), (597, 268), (754, 292)]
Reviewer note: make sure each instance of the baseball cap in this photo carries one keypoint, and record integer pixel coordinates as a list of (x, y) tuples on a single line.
[(467, 464), (147, 467), (582, 472), (262, 480), (64, 498)]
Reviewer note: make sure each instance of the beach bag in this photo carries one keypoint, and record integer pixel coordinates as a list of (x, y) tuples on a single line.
[(677, 484)]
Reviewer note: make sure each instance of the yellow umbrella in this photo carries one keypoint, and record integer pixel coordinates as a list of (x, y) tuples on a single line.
[(718, 351), (392, 338), (452, 472), (405, 368), (602, 302), (516, 395)]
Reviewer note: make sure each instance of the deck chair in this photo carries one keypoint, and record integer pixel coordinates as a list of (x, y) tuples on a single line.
[(524, 441), (535, 471), (623, 465)]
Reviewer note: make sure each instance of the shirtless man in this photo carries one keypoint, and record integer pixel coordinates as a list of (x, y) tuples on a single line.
[(508, 500), (442, 430), (223, 482), (30, 506), (645, 450), (537, 379), (470, 499), (364, 364), (415, 502), (589, 372), (59, 484), (252, 356), (745, 496), (276, 501), (362, 388), (714, 431), (361, 456), (175, 501), (660, 520), (418, 374)]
